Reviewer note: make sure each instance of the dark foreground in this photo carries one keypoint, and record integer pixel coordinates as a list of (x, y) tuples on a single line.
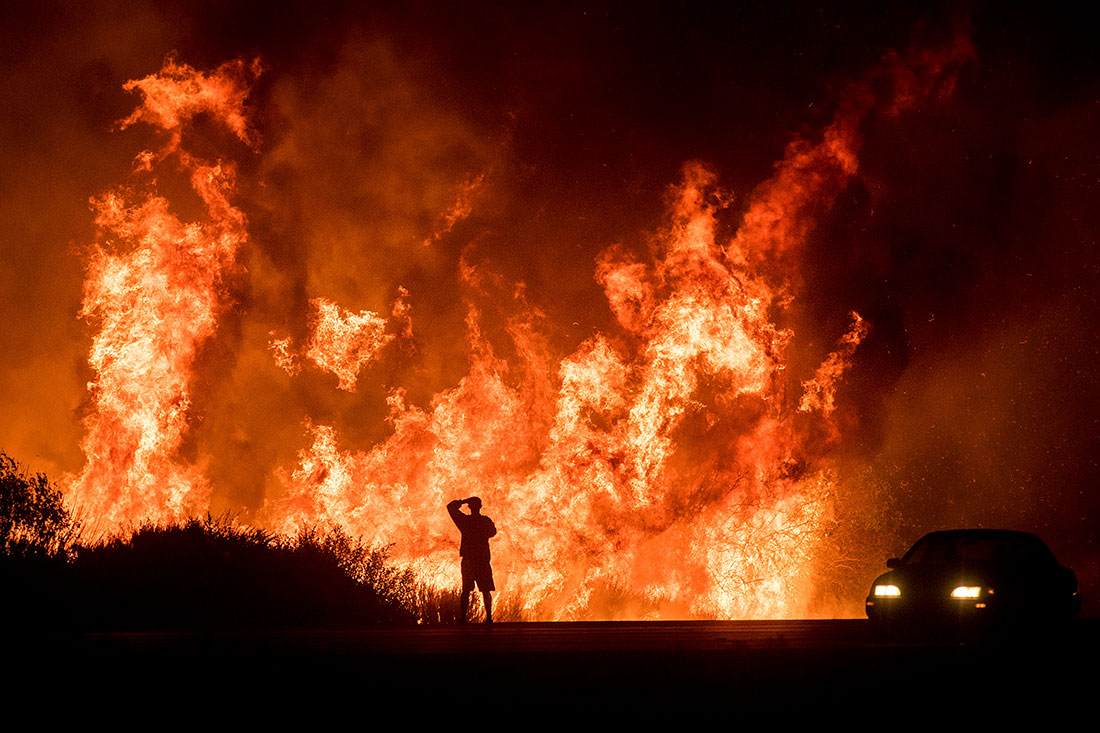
[(610, 670)]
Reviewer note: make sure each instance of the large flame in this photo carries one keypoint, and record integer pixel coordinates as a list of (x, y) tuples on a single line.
[(154, 288), (678, 464), (670, 465)]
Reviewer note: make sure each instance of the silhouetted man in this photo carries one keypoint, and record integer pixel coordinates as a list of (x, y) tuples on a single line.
[(476, 530)]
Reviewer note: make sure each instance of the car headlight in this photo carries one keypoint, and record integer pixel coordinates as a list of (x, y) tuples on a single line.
[(887, 591), (967, 591)]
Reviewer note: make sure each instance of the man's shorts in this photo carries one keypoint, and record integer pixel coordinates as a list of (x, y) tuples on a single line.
[(475, 570)]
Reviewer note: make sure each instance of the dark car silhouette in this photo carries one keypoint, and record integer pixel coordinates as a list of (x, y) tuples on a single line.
[(973, 580)]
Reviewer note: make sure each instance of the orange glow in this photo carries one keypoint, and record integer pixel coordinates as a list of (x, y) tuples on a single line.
[(602, 494), (681, 460)]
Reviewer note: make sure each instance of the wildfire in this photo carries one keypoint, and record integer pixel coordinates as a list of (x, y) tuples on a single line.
[(678, 462), (600, 496), (154, 287)]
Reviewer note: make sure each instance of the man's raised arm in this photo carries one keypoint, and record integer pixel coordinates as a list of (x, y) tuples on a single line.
[(456, 515)]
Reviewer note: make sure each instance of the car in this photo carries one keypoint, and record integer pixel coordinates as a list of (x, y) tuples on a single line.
[(973, 580)]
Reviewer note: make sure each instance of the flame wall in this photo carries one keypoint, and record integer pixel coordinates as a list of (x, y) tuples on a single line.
[(713, 312)]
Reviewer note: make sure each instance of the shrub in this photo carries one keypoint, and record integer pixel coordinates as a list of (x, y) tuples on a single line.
[(37, 536), (34, 520), (215, 574)]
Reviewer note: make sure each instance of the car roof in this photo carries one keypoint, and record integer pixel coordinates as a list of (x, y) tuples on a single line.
[(1030, 547), (983, 534)]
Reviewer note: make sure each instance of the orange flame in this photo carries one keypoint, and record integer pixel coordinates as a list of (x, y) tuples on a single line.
[(462, 207), (678, 467), (154, 288), (603, 493), (819, 393), (677, 464), (178, 92), (342, 342)]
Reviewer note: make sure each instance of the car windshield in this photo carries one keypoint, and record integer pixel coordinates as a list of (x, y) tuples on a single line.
[(954, 549)]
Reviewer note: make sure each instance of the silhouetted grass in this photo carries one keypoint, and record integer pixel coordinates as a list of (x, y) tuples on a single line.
[(214, 575)]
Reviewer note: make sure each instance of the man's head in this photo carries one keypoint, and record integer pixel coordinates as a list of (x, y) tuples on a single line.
[(474, 503)]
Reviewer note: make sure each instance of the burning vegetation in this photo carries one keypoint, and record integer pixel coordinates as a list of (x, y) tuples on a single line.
[(675, 457), (310, 305)]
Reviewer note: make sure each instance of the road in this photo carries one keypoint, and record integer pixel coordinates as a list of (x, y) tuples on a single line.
[(503, 639), (791, 666), (507, 638)]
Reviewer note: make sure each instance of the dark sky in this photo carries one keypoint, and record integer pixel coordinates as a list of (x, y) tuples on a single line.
[(968, 239)]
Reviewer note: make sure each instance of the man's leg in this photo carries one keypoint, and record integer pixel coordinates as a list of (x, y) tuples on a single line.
[(488, 606), (467, 589)]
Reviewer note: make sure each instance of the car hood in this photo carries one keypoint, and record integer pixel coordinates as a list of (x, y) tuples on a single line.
[(939, 580), (939, 575)]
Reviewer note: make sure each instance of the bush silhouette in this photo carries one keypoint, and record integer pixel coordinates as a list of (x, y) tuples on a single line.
[(34, 520), (37, 536), (213, 575)]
